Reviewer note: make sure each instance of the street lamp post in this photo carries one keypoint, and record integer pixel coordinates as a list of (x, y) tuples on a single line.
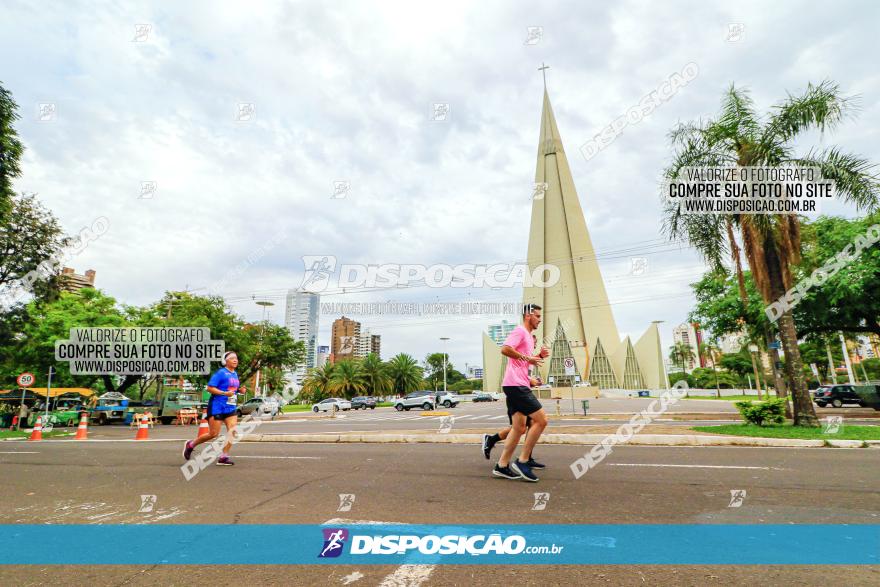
[(265, 304), (445, 359)]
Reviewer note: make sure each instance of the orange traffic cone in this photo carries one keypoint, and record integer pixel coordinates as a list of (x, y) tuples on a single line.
[(82, 431), (37, 432), (143, 430), (204, 430)]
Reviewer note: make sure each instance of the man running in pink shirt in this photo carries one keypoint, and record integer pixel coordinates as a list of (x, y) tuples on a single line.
[(521, 402)]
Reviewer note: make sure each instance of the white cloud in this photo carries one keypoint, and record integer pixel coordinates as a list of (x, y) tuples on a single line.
[(343, 92)]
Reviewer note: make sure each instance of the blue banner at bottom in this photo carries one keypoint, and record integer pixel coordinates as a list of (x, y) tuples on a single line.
[(374, 544)]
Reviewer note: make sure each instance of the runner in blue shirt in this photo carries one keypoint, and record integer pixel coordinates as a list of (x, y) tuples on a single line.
[(223, 387)]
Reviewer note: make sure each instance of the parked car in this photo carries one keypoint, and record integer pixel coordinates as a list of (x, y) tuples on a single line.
[(836, 395), (332, 404), (425, 400), (483, 397), (363, 402), (259, 406)]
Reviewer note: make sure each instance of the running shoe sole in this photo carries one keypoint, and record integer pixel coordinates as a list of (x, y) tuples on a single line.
[(225, 464), (186, 448), (486, 449), (502, 475)]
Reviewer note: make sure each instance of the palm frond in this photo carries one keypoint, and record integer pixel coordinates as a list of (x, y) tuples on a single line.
[(738, 121), (821, 106), (854, 177)]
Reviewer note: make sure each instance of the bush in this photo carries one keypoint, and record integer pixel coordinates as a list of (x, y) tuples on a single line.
[(772, 411), (678, 375)]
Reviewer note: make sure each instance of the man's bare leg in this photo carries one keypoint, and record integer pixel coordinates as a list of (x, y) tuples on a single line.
[(516, 431), (539, 423)]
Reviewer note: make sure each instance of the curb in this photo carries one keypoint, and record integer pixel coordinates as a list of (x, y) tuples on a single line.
[(577, 439)]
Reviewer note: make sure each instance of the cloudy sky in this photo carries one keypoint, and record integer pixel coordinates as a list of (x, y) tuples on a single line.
[(344, 91)]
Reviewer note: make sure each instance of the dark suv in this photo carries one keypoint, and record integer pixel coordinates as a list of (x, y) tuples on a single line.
[(363, 402), (836, 395)]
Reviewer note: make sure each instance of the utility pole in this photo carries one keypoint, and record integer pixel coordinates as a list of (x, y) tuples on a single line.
[(445, 359)]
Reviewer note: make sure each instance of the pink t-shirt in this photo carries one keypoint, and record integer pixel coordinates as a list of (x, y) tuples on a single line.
[(517, 372)]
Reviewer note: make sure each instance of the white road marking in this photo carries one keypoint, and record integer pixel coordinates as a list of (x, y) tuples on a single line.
[(408, 576), (496, 417), (19, 452), (352, 578), (694, 466), (274, 457)]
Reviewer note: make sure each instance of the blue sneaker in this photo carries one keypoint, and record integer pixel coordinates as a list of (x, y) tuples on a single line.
[(224, 460), (524, 470), (533, 464)]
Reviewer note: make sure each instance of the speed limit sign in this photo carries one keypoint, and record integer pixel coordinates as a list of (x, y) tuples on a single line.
[(25, 379)]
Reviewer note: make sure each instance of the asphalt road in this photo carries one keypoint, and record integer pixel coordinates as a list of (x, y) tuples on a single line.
[(481, 416), (64, 482)]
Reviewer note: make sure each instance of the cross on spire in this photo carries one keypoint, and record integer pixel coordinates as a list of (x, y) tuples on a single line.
[(543, 69)]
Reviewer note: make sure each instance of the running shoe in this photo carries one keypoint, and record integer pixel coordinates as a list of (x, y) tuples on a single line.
[(533, 464), (187, 450), (487, 445), (524, 471), (225, 461), (504, 472)]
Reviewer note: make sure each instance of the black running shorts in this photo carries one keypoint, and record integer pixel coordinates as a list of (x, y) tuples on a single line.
[(520, 399)]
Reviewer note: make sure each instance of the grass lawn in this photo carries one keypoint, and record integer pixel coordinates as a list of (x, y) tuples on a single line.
[(297, 408), (308, 407), (847, 432), (729, 398), (26, 434)]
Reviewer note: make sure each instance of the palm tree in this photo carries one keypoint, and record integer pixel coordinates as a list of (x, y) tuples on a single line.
[(738, 137), (681, 353), (375, 375), (711, 350), (347, 379), (316, 384), (405, 374)]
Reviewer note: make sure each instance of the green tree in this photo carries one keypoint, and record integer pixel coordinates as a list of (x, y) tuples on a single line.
[(11, 150), (375, 375), (847, 301), (316, 384), (681, 354), (347, 379), (47, 322), (738, 136), (710, 350), (29, 238), (405, 373)]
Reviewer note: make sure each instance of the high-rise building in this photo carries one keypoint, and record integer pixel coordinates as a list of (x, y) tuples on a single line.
[(72, 281), (345, 339), (368, 343), (323, 356), (578, 326), (689, 334), (301, 320), (499, 332)]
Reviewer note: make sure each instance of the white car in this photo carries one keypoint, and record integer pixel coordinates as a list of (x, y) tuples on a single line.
[(332, 404)]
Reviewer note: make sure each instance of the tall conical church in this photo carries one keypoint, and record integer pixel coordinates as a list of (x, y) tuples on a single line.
[(578, 323)]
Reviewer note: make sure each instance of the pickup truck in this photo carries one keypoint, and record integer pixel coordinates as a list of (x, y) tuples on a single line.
[(172, 402)]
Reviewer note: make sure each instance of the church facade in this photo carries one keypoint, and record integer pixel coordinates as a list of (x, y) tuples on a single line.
[(578, 324)]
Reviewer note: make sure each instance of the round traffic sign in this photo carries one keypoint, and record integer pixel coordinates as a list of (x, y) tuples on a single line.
[(568, 362), (25, 379)]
